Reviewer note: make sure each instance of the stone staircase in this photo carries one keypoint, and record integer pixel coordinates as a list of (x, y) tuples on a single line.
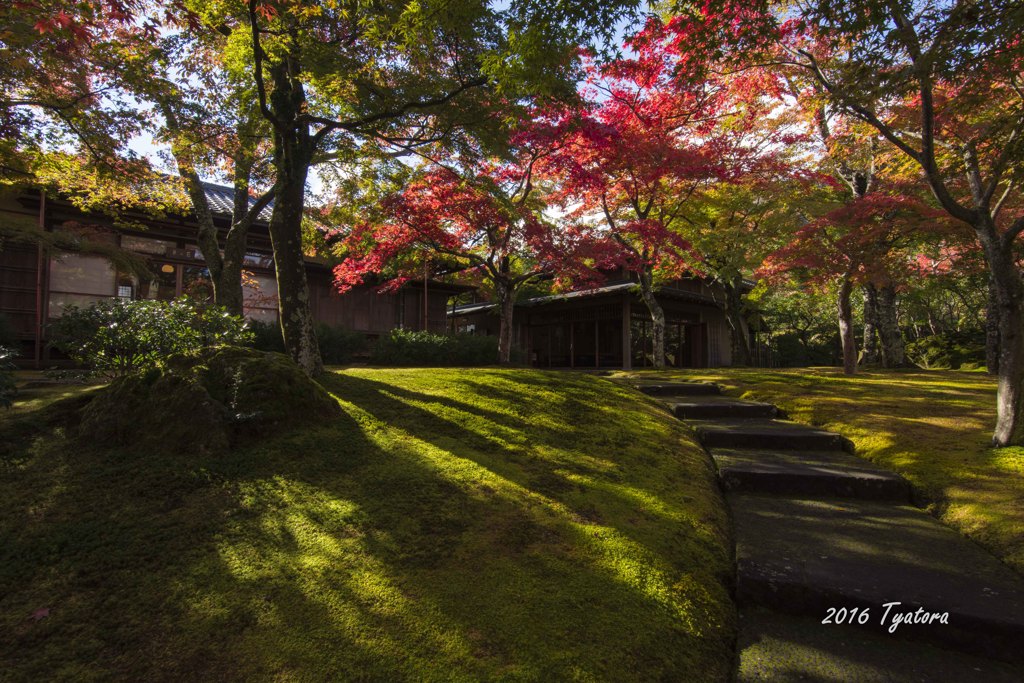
[(819, 530)]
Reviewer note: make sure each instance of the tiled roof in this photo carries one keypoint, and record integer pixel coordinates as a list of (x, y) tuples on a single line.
[(222, 201), (617, 287)]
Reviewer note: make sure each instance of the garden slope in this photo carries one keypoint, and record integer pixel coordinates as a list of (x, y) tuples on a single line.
[(451, 525)]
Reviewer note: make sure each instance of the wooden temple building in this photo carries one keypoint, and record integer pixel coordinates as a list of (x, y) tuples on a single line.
[(35, 287), (610, 326), (606, 327)]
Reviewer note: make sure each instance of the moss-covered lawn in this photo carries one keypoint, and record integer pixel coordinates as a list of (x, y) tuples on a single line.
[(452, 525), (933, 427)]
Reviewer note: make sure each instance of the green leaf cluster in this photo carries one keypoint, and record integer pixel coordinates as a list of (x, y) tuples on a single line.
[(117, 337)]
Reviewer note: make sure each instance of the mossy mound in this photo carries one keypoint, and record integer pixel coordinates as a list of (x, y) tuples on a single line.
[(207, 402)]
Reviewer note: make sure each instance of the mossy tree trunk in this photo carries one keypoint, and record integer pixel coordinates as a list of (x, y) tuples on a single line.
[(869, 348), (1009, 295), (223, 261), (992, 330), (657, 317), (293, 154), (892, 349), (845, 311), (506, 309), (737, 321)]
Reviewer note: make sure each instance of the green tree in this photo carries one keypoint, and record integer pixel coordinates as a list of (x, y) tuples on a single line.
[(335, 78)]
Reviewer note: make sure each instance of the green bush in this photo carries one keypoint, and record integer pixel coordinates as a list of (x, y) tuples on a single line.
[(266, 336), (7, 388), (948, 351), (337, 345), (207, 402), (419, 348), (117, 337)]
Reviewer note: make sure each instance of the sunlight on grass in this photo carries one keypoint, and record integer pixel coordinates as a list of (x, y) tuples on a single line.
[(450, 525)]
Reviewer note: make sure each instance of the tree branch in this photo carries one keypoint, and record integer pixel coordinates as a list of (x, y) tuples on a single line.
[(257, 66)]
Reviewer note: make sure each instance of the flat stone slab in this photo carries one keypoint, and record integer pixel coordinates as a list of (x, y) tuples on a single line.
[(770, 434), (783, 649), (807, 473), (680, 389), (713, 407), (804, 556)]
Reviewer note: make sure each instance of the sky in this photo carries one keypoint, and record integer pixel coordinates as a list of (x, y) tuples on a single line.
[(145, 146)]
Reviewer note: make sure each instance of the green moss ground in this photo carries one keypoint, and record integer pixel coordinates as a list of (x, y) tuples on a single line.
[(933, 427), (451, 525)]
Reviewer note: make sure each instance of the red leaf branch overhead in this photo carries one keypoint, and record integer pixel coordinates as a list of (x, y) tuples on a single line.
[(873, 238), (483, 216)]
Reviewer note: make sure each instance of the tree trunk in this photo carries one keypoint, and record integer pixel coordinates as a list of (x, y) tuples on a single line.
[(293, 151), (225, 270), (1009, 295), (846, 326), (869, 352), (737, 322), (227, 289), (657, 319), (889, 328), (992, 330), (506, 307)]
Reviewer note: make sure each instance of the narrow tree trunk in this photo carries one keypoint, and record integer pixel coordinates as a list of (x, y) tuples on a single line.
[(292, 157), (846, 326), (1009, 294), (889, 328), (992, 330), (737, 322), (657, 318), (869, 352), (225, 270), (506, 307), (227, 289)]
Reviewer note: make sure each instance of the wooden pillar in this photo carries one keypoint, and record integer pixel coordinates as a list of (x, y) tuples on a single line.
[(549, 344), (426, 299), (40, 314), (627, 341), (597, 346), (572, 345)]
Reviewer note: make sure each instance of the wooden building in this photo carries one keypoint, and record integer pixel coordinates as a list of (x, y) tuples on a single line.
[(35, 287), (610, 327)]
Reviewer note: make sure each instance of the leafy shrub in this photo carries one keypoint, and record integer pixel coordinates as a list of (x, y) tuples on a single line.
[(118, 337), (207, 402), (405, 347), (948, 351), (337, 345), (266, 336), (793, 352), (7, 388)]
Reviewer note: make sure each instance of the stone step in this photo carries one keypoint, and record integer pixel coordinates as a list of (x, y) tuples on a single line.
[(680, 389), (807, 473), (711, 407), (785, 649), (803, 556), (771, 434)]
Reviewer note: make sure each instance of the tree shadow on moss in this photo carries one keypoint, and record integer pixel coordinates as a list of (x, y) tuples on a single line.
[(317, 555), (598, 476)]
